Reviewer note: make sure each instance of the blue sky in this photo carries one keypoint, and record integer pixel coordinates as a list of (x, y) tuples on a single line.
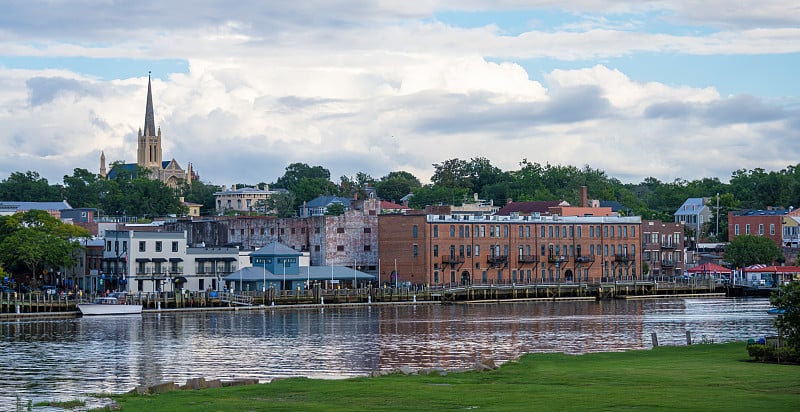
[(243, 89)]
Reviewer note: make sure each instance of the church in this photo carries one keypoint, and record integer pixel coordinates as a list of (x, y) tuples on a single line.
[(149, 155)]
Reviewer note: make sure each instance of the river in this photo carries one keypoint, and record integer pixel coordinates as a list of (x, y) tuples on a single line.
[(63, 359)]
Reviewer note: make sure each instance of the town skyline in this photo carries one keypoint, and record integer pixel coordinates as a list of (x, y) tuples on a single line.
[(673, 90)]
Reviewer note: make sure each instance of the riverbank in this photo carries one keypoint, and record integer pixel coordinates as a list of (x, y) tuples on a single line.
[(711, 377)]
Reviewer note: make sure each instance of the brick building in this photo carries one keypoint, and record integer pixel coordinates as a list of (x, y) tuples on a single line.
[(448, 249), (663, 248), (769, 223), (347, 240)]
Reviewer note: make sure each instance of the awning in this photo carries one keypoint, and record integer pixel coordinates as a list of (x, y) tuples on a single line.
[(159, 259), (175, 260), (227, 259), (180, 279), (142, 259)]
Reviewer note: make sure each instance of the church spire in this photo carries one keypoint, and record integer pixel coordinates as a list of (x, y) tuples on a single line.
[(149, 119)]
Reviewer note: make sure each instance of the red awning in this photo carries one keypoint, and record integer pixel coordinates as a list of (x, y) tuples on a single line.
[(709, 268)]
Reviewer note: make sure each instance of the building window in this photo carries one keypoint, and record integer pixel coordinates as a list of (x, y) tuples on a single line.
[(435, 250), (316, 230), (771, 228), (316, 248), (414, 231), (174, 246), (367, 248), (340, 248), (142, 246), (415, 251), (367, 230), (435, 231), (452, 231), (760, 229), (747, 229), (477, 250), (339, 230), (158, 246)]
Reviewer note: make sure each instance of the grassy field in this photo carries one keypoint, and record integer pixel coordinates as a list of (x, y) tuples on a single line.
[(700, 377)]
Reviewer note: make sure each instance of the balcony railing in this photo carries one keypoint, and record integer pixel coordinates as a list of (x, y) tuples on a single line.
[(557, 258), (497, 259), (622, 258), (667, 263), (452, 260), (584, 259), (667, 245), (528, 259)]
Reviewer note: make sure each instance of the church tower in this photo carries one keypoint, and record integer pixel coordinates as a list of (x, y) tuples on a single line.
[(103, 163), (149, 149)]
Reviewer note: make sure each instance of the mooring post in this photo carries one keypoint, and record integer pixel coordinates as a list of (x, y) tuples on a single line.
[(688, 337), (654, 336)]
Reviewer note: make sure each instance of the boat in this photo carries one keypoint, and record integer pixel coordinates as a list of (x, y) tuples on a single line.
[(776, 311), (109, 305)]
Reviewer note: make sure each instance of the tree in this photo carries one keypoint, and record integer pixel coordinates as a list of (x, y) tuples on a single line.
[(787, 300), (395, 185), (334, 209), (280, 204), (28, 187), (83, 188), (202, 193), (747, 250), (296, 172), (36, 240)]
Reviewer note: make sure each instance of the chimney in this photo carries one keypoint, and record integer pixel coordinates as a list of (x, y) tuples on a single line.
[(584, 197)]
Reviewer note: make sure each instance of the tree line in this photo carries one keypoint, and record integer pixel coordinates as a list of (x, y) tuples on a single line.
[(453, 182)]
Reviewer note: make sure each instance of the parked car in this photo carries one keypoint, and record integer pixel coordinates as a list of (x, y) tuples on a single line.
[(49, 290)]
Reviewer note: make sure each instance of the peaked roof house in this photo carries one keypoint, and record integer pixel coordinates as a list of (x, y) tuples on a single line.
[(319, 205), (149, 154), (694, 213)]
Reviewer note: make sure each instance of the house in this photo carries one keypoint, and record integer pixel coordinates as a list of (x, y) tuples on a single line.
[(319, 205), (694, 213), (663, 248), (193, 209), (768, 223), (244, 199), (277, 266)]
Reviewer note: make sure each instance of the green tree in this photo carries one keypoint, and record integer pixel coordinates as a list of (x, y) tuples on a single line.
[(280, 204), (202, 193), (28, 187), (787, 299), (133, 193), (83, 188), (334, 209), (296, 172), (37, 241), (395, 185), (747, 250)]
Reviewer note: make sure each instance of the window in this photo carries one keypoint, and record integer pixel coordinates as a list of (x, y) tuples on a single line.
[(736, 229), (316, 248), (158, 246), (415, 250), (108, 246), (771, 228), (542, 235), (452, 231), (415, 231), (293, 230), (435, 250), (340, 248), (142, 246), (339, 230), (367, 230), (477, 250), (174, 246), (466, 231), (760, 229), (505, 230), (367, 248), (747, 229), (435, 231), (460, 231), (316, 230), (591, 231)]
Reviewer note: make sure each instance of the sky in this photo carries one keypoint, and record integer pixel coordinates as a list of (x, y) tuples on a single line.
[(665, 89)]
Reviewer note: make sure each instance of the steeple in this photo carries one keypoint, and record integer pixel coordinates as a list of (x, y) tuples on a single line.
[(103, 163), (149, 119)]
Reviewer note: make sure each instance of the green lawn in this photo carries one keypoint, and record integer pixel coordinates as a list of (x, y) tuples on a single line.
[(699, 377)]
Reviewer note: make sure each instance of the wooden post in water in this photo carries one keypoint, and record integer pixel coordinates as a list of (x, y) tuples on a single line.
[(654, 336), (688, 337)]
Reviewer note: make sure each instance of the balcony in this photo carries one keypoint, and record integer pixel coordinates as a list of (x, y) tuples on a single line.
[(452, 260), (497, 259), (528, 259), (668, 245), (557, 258), (584, 259), (667, 263), (622, 258)]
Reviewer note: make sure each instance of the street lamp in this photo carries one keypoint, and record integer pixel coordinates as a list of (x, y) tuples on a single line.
[(284, 273)]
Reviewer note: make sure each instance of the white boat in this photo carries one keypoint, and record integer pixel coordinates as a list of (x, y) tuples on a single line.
[(109, 305)]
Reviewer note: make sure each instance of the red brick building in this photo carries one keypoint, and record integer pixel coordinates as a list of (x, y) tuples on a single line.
[(447, 249), (767, 223), (663, 248)]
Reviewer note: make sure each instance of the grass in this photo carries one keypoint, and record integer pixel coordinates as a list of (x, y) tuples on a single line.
[(715, 377)]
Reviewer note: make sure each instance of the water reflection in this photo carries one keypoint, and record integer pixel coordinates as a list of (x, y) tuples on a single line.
[(61, 359)]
